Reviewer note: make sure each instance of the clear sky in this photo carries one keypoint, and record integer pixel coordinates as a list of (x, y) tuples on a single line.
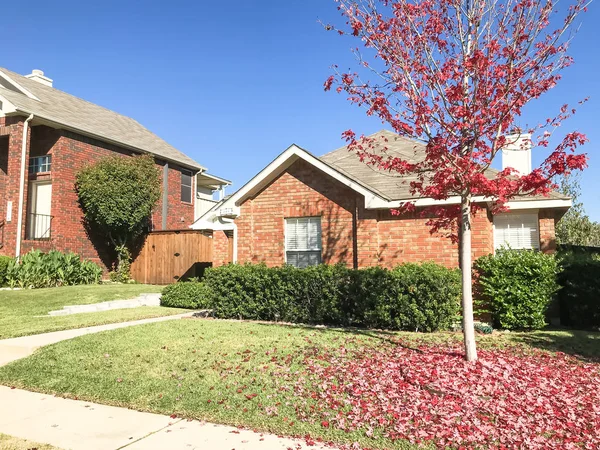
[(234, 83)]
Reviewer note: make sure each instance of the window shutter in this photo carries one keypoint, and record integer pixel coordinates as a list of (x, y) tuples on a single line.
[(518, 231)]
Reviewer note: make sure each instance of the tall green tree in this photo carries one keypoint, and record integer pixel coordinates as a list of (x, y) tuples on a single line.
[(117, 196), (575, 227)]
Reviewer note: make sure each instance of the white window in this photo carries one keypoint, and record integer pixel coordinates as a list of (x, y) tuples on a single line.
[(39, 164), (303, 241), (517, 231)]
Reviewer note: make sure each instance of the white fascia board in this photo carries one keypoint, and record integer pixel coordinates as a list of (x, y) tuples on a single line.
[(422, 202), (285, 160), (210, 225), (455, 200), (538, 204), (18, 86)]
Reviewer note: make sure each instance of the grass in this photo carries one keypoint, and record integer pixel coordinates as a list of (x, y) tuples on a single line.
[(12, 443), (24, 312), (210, 370)]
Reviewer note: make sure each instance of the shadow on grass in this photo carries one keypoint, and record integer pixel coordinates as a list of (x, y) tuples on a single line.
[(583, 345), (395, 338)]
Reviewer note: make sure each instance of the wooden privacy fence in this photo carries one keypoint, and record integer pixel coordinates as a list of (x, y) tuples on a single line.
[(168, 256)]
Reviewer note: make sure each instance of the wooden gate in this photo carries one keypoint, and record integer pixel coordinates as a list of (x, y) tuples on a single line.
[(168, 256)]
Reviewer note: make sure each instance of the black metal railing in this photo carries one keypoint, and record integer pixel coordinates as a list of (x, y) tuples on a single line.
[(2, 223), (39, 227)]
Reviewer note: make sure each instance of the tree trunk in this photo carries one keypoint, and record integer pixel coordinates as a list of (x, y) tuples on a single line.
[(467, 280)]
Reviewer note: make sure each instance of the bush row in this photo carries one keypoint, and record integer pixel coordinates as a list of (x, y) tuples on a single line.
[(415, 297), (38, 270), (579, 297), (517, 286)]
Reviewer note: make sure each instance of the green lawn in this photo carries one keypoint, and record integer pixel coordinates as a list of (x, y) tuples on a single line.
[(13, 443), (24, 312), (230, 372)]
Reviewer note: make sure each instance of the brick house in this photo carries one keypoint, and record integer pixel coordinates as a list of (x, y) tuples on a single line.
[(46, 137), (305, 210)]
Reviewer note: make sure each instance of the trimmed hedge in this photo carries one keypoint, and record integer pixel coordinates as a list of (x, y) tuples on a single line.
[(518, 286), (185, 294), (4, 262), (579, 298), (415, 297), (40, 270)]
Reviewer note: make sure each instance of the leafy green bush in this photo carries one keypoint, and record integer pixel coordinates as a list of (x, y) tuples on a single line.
[(117, 196), (38, 270), (4, 262), (410, 297), (518, 286), (185, 294), (579, 297)]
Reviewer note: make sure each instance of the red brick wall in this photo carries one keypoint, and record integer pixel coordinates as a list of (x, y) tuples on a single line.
[(296, 193), (381, 238), (547, 234), (70, 153), (221, 255)]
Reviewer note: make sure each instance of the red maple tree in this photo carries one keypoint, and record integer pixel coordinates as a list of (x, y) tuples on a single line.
[(456, 75)]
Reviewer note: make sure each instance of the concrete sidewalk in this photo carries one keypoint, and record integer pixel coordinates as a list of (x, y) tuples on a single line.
[(21, 347), (74, 424)]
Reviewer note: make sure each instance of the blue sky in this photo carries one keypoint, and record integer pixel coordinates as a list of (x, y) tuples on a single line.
[(233, 84)]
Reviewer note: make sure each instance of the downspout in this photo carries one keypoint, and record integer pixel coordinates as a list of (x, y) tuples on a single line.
[(22, 187)]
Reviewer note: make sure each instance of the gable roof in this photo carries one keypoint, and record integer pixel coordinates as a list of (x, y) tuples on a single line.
[(380, 190), (388, 185), (57, 107)]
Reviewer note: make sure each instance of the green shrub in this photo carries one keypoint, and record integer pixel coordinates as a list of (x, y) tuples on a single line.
[(185, 294), (518, 286), (411, 297), (579, 297), (39, 270), (4, 262)]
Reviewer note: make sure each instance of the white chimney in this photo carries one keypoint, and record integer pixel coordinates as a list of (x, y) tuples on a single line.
[(517, 153), (38, 75)]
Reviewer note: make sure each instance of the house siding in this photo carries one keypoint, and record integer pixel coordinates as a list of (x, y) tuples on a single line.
[(351, 235), (70, 153)]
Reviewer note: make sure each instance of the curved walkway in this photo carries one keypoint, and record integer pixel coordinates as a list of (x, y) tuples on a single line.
[(79, 425), (21, 347)]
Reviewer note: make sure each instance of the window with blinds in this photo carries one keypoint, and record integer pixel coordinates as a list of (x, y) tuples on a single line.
[(303, 241), (517, 231)]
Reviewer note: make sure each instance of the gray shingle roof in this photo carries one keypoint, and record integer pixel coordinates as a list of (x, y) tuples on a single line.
[(72, 112), (386, 184)]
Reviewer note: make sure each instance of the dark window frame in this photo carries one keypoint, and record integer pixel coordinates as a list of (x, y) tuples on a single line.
[(185, 188), (40, 164)]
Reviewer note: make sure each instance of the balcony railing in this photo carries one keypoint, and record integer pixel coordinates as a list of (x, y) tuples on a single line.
[(39, 227)]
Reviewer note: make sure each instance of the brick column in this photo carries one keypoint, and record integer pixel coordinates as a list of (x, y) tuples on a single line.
[(13, 179), (547, 232)]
